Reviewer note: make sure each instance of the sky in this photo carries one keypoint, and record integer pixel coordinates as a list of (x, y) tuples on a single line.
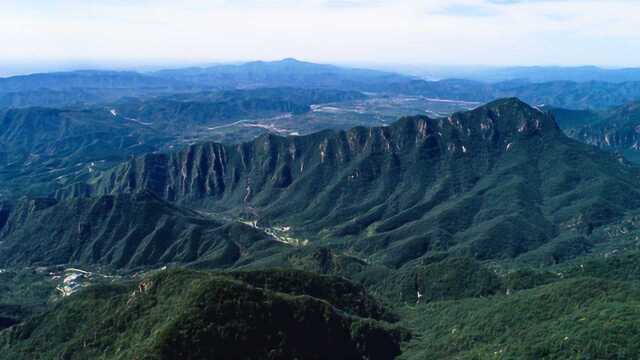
[(454, 32)]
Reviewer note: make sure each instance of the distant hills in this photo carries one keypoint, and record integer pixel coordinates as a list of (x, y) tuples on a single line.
[(287, 72), (81, 87), (531, 73), (92, 86), (88, 79), (566, 94)]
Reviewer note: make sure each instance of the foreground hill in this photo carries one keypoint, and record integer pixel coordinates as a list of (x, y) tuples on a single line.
[(582, 318), (501, 181), (583, 309), (193, 315)]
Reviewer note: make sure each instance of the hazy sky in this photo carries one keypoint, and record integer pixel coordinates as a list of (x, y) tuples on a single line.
[(602, 32)]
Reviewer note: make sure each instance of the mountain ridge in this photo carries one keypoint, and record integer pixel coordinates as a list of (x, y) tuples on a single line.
[(418, 187)]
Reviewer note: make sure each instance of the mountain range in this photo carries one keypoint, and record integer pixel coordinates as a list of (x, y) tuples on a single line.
[(95, 87), (531, 73), (192, 214), (564, 94), (467, 184)]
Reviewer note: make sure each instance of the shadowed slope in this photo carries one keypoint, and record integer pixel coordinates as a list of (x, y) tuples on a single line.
[(124, 231)]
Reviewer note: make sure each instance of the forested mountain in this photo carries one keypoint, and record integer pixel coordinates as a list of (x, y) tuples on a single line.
[(125, 231), (467, 184)]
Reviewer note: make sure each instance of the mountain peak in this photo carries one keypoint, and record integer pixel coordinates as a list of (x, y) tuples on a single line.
[(512, 114), (290, 60), (509, 101)]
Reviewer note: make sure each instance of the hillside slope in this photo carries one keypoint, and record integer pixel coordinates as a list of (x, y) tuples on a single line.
[(192, 315), (124, 231), (581, 318)]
